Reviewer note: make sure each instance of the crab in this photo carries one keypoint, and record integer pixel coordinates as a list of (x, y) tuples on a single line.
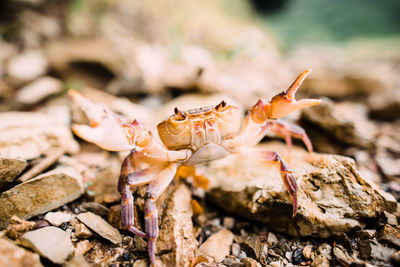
[(189, 138)]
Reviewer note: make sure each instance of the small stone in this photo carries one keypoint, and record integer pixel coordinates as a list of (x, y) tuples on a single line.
[(217, 245), (41, 223), (27, 66), (249, 262), (101, 227), (242, 255), (141, 263), (272, 240), (50, 242), (389, 218), (57, 218), (77, 261), (9, 169), (114, 216), (12, 255), (231, 261), (96, 208), (366, 234), (307, 250), (140, 243), (38, 90), (43, 193), (235, 249), (276, 264), (17, 227), (390, 235), (252, 246), (82, 247), (81, 231), (229, 222), (297, 256)]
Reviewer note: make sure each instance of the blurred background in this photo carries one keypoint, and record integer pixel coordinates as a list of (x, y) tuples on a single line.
[(161, 54)]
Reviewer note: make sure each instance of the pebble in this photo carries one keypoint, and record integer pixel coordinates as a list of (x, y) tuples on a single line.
[(307, 250), (57, 218), (17, 227), (96, 208), (100, 226), (27, 66), (229, 222), (242, 255), (249, 262), (81, 231), (272, 240), (390, 218), (390, 235), (9, 169), (140, 263), (12, 255), (217, 245), (235, 249), (82, 247), (276, 264), (38, 90), (50, 242)]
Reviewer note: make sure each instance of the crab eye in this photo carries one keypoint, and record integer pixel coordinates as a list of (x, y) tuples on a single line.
[(179, 115), (220, 106)]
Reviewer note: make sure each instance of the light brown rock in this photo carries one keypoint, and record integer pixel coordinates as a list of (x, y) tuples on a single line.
[(28, 135), (17, 227), (12, 255), (332, 196), (217, 246), (81, 231), (57, 218), (82, 247), (39, 90), (27, 66), (41, 194), (100, 226), (9, 169), (176, 229), (50, 242)]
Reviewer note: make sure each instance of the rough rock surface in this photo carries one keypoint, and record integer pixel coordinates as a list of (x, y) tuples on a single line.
[(50, 242), (43, 193), (100, 226), (12, 255), (332, 197), (39, 90), (9, 169), (217, 246), (176, 239)]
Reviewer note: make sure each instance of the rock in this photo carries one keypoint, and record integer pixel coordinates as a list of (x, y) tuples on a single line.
[(96, 208), (322, 256), (140, 263), (346, 123), (9, 169), (235, 249), (46, 192), (28, 135), (229, 222), (100, 226), (385, 105), (27, 66), (114, 216), (272, 240), (343, 257), (50, 242), (389, 218), (307, 250), (17, 227), (391, 235), (249, 262), (82, 247), (332, 197), (373, 249), (57, 218), (176, 229), (276, 264), (366, 234), (38, 90), (252, 246), (217, 245), (81, 231), (231, 261), (12, 255), (77, 261)]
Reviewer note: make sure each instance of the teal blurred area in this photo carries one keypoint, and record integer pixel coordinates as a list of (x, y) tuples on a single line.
[(299, 22)]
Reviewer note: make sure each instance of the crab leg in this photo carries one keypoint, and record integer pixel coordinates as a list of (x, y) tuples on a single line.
[(286, 173), (287, 129), (153, 192), (130, 176)]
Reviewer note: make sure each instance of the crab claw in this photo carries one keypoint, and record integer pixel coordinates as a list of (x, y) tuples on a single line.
[(285, 103), (105, 129)]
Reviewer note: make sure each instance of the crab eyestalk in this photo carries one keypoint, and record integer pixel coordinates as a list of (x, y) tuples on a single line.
[(283, 103)]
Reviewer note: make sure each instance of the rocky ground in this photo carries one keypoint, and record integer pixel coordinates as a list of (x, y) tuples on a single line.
[(59, 203)]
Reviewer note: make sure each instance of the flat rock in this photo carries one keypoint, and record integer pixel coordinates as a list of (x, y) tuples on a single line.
[(38, 90), (46, 192), (57, 218), (50, 242), (9, 169), (28, 135), (346, 122), (100, 226), (27, 66), (217, 246), (176, 230), (391, 235), (12, 255), (332, 196)]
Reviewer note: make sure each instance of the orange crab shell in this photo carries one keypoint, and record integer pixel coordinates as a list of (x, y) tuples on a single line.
[(179, 130)]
